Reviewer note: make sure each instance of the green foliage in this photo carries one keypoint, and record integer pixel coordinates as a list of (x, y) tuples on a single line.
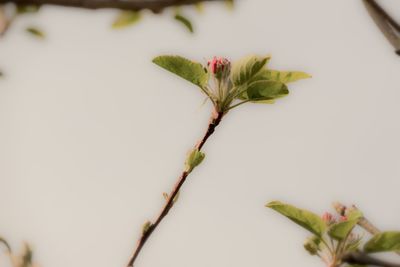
[(194, 159), (184, 21), (304, 218), (35, 32), (383, 242), (246, 69), (5, 243), (189, 70), (126, 18), (146, 226), (312, 245), (23, 9), (284, 76), (262, 90), (230, 4), (341, 230)]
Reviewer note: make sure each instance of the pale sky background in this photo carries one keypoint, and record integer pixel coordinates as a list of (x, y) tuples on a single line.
[(92, 133)]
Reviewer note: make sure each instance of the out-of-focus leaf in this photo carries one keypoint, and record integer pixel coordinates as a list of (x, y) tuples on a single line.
[(230, 4), (5, 243), (383, 242), (23, 9), (184, 21), (126, 18), (27, 256), (199, 7), (35, 32), (308, 220), (189, 70)]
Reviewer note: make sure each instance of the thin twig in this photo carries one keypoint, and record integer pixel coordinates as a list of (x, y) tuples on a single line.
[(215, 120)]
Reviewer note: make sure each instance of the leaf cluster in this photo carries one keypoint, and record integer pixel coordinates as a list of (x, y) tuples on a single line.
[(332, 241), (249, 81)]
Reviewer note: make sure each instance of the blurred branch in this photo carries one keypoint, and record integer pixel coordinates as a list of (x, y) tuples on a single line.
[(154, 5), (361, 258), (388, 26)]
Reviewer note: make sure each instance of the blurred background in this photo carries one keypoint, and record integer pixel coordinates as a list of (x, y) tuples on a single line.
[(92, 133)]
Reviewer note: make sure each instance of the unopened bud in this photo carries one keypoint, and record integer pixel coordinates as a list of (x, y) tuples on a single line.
[(328, 218), (220, 67), (312, 245), (340, 208)]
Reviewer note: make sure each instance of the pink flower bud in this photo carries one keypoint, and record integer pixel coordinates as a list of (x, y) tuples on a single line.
[(220, 67), (342, 218), (328, 218)]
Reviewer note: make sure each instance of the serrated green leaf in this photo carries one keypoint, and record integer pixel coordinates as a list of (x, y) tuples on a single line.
[(184, 21), (194, 159), (284, 76), (341, 230), (247, 68), (189, 70), (126, 18), (383, 242), (35, 32), (304, 218)]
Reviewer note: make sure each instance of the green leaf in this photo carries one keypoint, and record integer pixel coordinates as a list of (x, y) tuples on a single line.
[(126, 18), (35, 32), (199, 7), (247, 68), (194, 159), (27, 256), (304, 218), (146, 226), (265, 90), (5, 243), (185, 22), (312, 245), (354, 214), (284, 76), (189, 70), (383, 242), (229, 4), (22, 9), (341, 230)]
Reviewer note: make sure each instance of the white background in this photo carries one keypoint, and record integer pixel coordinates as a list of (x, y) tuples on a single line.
[(92, 133)]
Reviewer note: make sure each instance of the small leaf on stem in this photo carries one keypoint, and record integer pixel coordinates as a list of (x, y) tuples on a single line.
[(383, 242), (126, 18), (184, 21), (35, 32), (308, 220)]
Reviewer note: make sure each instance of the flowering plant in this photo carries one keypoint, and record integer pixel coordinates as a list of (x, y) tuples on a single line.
[(335, 238), (227, 86)]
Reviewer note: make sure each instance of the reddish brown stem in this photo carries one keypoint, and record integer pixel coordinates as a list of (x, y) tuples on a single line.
[(170, 200)]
